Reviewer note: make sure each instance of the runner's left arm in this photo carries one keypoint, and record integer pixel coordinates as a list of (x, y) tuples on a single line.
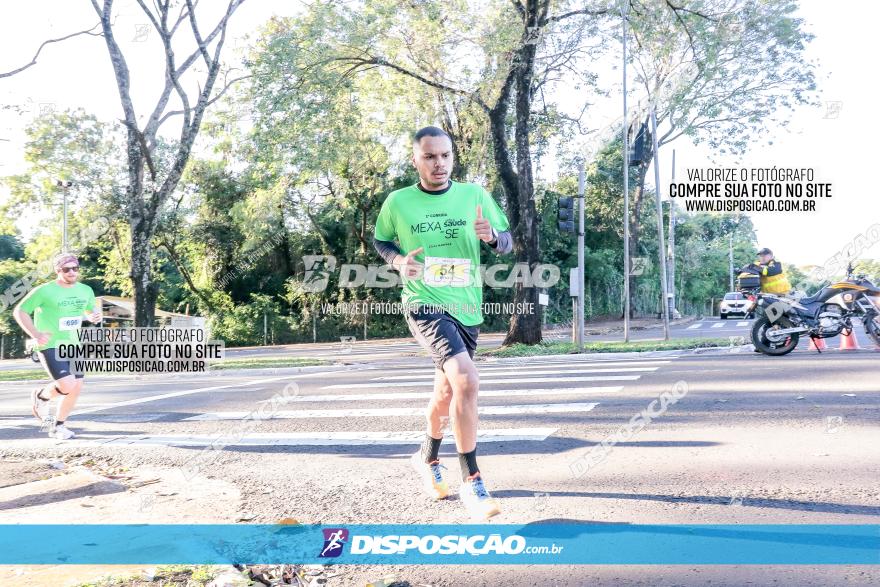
[(503, 242), (93, 308), (492, 212)]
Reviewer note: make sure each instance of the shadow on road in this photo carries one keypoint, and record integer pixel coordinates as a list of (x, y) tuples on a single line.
[(97, 488), (810, 506), (552, 445)]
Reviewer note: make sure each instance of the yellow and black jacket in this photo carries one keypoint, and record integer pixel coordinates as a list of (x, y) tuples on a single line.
[(773, 278)]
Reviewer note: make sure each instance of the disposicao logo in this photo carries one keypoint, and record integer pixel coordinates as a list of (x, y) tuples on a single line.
[(473, 545), (334, 540)]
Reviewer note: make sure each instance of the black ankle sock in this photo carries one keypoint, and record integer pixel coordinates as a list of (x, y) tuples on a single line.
[(57, 422), (431, 448), (468, 463)]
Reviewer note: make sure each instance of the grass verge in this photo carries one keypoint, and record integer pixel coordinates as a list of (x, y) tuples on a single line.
[(568, 348), (166, 576), (267, 362), (255, 363), (22, 375)]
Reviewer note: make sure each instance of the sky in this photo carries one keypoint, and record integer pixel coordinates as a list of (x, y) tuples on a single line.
[(832, 139)]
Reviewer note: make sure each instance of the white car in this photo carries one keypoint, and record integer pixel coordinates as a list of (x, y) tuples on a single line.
[(735, 303), (30, 349)]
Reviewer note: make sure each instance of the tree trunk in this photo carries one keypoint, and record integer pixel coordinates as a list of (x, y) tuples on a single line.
[(525, 327), (145, 290)]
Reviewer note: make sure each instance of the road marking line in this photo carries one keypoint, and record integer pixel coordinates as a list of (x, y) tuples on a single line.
[(718, 325), (488, 381), (742, 323), (356, 438), (385, 412), (575, 360), (153, 398), (694, 326), (506, 371), (517, 368), (409, 395)]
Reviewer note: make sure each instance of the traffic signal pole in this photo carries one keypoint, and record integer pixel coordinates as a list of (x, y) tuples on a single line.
[(581, 272), (661, 245), (565, 222)]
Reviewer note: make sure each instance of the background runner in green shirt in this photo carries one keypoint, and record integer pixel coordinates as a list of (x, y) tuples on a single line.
[(58, 308)]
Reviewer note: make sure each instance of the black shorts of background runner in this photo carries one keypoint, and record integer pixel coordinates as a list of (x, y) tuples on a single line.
[(441, 335), (55, 367)]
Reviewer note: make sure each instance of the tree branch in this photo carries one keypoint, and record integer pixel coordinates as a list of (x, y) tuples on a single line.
[(33, 60), (358, 62), (564, 15), (519, 7)]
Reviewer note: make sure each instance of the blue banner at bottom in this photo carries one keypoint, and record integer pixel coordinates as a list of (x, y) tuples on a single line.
[(542, 543)]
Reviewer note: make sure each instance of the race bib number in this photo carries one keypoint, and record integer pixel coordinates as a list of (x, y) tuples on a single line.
[(447, 272), (70, 323)]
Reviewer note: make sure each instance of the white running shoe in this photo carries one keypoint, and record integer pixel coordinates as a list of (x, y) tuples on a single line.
[(431, 476), (39, 406), (476, 500), (61, 432)]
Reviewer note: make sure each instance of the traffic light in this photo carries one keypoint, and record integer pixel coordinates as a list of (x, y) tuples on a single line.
[(640, 150), (566, 214)]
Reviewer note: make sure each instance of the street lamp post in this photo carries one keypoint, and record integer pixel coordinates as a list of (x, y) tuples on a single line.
[(671, 254), (64, 185)]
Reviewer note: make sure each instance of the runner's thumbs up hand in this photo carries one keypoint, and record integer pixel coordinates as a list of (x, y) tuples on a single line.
[(407, 264), (482, 226)]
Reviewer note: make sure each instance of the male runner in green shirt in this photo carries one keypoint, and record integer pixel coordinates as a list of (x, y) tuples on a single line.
[(439, 224), (58, 308)]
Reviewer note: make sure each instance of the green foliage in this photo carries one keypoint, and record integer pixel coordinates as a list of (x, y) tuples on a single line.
[(302, 154)]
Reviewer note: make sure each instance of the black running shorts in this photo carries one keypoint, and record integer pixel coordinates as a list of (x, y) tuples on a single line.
[(441, 335), (55, 367)]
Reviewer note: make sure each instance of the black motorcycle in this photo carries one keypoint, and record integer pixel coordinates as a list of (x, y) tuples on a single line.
[(782, 320)]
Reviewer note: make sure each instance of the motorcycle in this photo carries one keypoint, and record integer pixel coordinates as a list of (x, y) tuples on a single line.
[(829, 312)]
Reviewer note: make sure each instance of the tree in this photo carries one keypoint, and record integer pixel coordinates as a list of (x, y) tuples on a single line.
[(499, 58), (738, 69), (150, 182), (153, 175)]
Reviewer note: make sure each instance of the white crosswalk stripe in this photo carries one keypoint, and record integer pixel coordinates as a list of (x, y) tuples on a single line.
[(410, 395), (496, 372), (430, 383), (384, 412), (334, 438), (695, 325), (718, 325), (539, 392)]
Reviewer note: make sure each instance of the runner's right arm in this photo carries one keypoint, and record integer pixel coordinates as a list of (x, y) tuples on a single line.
[(387, 250), (21, 313), (406, 265)]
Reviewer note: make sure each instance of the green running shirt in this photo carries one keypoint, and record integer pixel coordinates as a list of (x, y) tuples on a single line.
[(59, 310), (444, 225)]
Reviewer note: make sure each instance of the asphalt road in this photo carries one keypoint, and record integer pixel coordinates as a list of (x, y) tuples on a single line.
[(755, 439), (384, 349)]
